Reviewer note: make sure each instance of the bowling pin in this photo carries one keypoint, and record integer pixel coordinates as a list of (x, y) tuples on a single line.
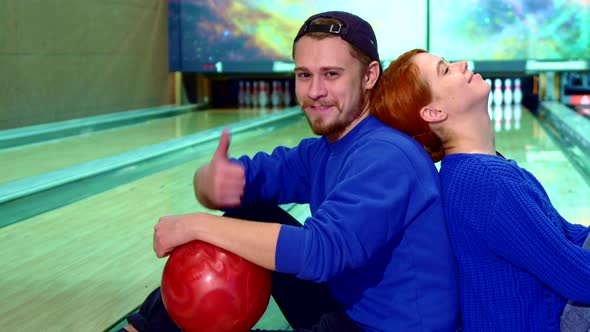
[(517, 92), (287, 94), (507, 91), (491, 97), (248, 94), (275, 95), (508, 117), (497, 118), (498, 92), (241, 95), (263, 94), (254, 96), (517, 115)]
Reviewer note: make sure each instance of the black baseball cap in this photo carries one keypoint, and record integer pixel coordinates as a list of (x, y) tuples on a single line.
[(355, 30)]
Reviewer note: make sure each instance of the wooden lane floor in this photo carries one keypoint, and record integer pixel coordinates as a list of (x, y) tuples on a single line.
[(35, 159), (521, 137), (84, 266)]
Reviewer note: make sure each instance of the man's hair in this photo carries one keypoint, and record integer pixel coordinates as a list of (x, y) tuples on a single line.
[(354, 51), (357, 32), (398, 98)]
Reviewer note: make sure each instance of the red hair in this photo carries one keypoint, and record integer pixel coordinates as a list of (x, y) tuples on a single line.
[(398, 98)]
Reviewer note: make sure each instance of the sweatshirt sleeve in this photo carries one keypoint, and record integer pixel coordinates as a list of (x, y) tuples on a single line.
[(364, 210), (527, 231), (280, 177)]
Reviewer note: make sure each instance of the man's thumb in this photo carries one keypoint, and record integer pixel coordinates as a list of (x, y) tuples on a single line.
[(221, 152)]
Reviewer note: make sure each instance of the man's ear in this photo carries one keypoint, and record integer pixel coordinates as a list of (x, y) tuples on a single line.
[(372, 75), (432, 115)]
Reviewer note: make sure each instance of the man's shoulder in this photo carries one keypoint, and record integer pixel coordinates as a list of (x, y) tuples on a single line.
[(390, 140), (311, 142), (380, 130)]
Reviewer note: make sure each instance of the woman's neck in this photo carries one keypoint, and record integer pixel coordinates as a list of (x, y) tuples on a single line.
[(470, 135)]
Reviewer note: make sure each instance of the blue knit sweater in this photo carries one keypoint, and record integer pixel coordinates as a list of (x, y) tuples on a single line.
[(376, 235), (519, 260)]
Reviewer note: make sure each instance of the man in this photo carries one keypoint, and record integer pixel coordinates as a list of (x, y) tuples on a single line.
[(374, 255)]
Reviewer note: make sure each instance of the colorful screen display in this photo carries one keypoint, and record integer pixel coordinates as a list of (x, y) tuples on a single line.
[(510, 29), (256, 36), (250, 35)]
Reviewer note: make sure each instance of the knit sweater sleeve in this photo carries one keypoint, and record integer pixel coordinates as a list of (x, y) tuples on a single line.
[(574, 232), (526, 231)]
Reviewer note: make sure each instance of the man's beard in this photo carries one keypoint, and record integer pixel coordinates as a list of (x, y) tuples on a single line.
[(343, 120)]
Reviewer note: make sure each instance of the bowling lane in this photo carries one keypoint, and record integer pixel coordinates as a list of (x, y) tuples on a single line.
[(86, 265), (520, 136), (35, 159)]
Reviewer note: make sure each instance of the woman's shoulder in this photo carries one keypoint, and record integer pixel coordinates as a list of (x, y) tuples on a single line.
[(487, 173), (479, 172), (476, 164)]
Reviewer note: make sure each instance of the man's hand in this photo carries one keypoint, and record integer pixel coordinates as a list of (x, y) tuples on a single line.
[(173, 231), (220, 183)]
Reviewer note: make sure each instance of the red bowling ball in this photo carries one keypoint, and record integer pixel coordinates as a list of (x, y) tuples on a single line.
[(206, 288)]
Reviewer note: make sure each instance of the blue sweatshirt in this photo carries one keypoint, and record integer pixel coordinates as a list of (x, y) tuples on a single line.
[(376, 233), (519, 260)]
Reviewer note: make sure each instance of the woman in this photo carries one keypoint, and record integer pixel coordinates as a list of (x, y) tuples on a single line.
[(519, 260)]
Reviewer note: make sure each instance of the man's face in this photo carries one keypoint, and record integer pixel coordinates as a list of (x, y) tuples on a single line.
[(329, 85)]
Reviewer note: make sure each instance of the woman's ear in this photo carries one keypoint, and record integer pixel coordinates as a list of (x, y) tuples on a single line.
[(372, 75), (432, 115)]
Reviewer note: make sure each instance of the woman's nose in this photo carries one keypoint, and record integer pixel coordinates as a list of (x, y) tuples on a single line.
[(463, 66)]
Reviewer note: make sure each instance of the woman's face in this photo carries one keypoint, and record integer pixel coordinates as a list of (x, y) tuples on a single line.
[(454, 88)]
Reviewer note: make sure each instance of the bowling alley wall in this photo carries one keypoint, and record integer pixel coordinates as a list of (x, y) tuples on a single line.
[(66, 59), (227, 49)]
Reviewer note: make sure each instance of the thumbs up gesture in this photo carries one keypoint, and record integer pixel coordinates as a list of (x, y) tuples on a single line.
[(220, 183)]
